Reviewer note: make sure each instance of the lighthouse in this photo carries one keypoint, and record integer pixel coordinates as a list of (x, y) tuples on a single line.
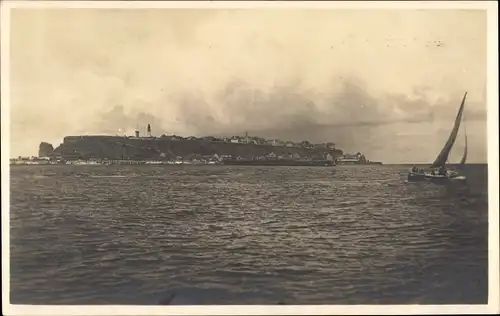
[(149, 130)]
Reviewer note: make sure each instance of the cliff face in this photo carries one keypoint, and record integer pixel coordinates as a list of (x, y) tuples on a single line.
[(45, 149), (116, 148)]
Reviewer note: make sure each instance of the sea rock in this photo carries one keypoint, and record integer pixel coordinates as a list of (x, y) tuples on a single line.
[(45, 149)]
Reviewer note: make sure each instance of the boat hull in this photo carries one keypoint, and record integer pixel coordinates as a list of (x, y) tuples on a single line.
[(416, 177), (441, 178)]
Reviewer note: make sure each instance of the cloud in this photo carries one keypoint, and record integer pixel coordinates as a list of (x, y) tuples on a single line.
[(297, 74)]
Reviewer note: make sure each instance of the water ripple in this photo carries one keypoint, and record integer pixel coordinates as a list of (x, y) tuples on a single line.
[(244, 235)]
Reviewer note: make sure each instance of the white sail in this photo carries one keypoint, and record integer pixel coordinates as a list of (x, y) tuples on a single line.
[(443, 155)]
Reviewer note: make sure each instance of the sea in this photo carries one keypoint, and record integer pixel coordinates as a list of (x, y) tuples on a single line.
[(212, 234)]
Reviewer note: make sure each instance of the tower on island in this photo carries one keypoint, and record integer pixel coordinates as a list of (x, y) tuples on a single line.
[(137, 131)]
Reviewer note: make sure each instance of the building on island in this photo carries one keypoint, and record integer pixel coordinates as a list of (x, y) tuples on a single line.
[(351, 158)]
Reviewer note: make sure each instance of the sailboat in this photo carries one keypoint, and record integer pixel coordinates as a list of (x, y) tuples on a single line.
[(441, 160)]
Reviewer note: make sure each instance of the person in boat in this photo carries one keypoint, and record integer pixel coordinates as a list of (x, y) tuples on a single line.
[(442, 171), (414, 169)]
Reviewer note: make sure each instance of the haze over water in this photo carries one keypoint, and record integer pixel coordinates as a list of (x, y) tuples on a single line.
[(245, 235)]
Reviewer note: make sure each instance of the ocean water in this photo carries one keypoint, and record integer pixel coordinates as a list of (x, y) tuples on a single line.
[(245, 235)]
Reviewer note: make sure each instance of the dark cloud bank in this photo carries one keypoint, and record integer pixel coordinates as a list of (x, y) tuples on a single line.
[(347, 115)]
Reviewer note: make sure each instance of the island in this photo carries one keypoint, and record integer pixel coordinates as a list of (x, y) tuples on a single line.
[(174, 149)]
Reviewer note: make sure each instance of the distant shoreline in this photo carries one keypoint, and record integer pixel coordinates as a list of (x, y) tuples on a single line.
[(228, 165)]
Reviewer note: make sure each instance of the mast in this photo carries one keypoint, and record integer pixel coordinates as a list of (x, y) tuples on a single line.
[(443, 155)]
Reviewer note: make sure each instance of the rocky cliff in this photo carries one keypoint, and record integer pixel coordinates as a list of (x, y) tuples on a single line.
[(116, 148)]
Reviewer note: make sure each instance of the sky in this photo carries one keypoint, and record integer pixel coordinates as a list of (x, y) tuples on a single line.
[(387, 83)]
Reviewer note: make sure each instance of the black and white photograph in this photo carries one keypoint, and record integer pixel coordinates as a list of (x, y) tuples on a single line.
[(229, 154)]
